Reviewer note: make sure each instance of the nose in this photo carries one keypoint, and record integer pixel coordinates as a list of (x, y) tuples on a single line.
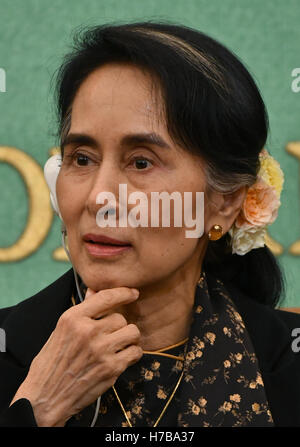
[(105, 179)]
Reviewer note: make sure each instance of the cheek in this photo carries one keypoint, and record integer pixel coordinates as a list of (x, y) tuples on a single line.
[(70, 199), (165, 248), (175, 241)]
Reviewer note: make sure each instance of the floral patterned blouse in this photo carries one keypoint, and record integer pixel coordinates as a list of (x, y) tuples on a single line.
[(210, 379), (143, 389)]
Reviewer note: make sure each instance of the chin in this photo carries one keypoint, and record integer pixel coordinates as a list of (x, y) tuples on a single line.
[(102, 282), (98, 277)]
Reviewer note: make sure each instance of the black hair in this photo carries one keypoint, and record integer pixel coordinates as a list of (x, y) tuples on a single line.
[(213, 108)]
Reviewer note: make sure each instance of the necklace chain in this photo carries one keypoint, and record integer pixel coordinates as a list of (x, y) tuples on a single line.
[(164, 409), (172, 394)]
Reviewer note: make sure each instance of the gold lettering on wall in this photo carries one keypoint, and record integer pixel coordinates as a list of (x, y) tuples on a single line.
[(275, 247), (293, 148), (59, 254), (40, 213)]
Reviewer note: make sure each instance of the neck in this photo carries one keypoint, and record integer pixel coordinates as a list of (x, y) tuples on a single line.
[(163, 313)]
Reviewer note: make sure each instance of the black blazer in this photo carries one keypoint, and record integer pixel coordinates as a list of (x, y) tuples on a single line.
[(29, 324)]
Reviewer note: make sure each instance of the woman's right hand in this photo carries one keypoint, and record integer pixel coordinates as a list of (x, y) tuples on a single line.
[(82, 358)]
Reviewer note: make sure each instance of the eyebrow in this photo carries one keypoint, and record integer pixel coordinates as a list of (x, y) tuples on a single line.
[(128, 140)]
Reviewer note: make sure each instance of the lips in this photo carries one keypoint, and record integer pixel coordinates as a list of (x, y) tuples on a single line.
[(103, 240), (104, 247)]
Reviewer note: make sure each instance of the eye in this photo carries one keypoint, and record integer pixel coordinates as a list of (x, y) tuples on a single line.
[(141, 163), (81, 159), (78, 158)]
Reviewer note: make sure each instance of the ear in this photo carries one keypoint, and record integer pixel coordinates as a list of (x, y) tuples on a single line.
[(222, 209)]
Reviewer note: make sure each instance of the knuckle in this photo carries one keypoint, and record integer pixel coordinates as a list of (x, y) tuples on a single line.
[(78, 327), (67, 318), (136, 352), (119, 319), (134, 330)]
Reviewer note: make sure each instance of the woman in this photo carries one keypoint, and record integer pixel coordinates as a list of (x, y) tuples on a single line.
[(157, 329)]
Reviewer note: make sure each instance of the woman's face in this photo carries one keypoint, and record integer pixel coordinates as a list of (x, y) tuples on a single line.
[(112, 105)]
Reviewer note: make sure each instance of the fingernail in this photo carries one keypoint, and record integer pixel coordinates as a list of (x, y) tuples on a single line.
[(136, 292)]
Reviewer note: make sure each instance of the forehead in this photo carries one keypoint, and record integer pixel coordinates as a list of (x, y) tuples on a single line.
[(121, 93)]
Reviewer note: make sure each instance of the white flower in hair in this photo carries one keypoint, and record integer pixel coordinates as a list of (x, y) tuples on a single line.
[(245, 240)]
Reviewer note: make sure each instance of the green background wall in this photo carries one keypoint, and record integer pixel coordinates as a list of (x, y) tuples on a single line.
[(34, 35)]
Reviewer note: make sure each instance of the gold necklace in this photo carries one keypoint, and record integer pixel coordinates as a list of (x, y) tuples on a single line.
[(173, 392), (164, 409)]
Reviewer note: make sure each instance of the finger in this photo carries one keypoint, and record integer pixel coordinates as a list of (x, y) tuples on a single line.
[(104, 301), (122, 360), (126, 336), (112, 323), (130, 355)]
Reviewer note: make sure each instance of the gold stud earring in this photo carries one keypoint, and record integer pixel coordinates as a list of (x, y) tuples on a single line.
[(215, 233)]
